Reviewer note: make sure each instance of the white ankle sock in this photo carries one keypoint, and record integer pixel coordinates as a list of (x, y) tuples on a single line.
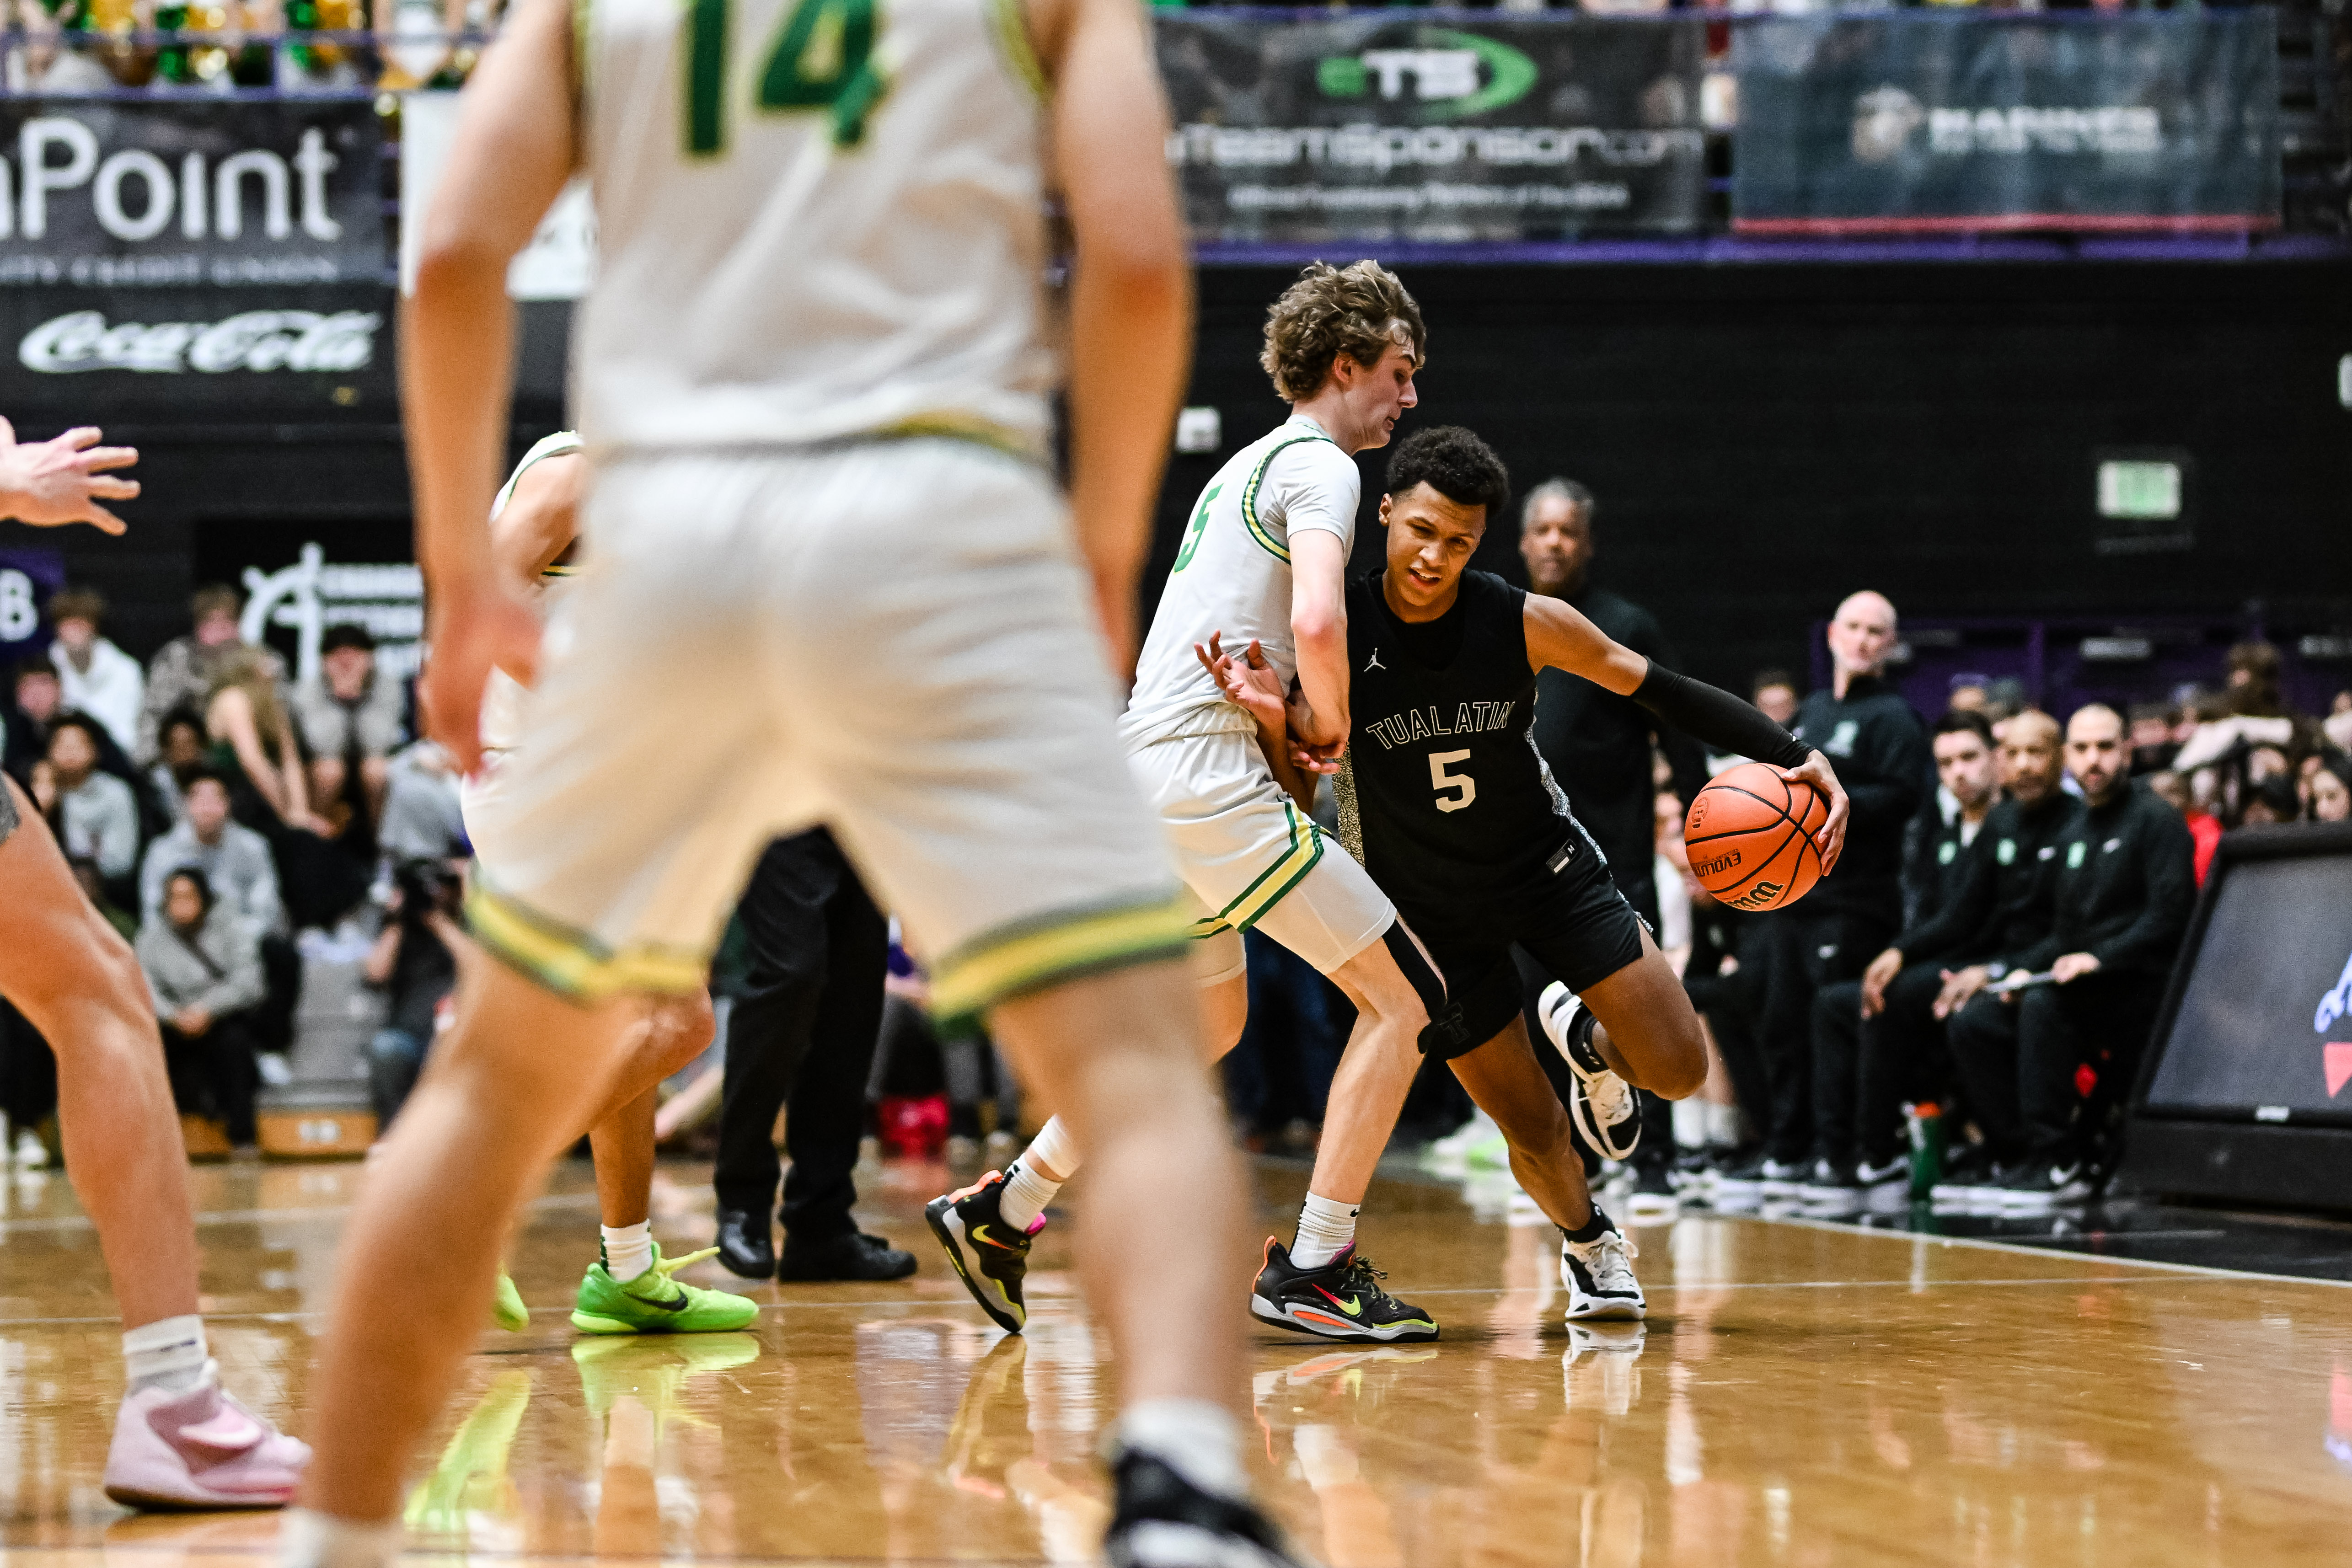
[(308, 1539), (1324, 1228), (1198, 1441), (169, 1353), (1026, 1192), (628, 1249)]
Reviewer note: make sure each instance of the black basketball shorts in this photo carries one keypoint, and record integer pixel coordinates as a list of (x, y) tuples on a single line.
[(1576, 925)]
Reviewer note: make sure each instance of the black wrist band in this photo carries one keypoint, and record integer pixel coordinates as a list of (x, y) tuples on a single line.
[(1711, 715)]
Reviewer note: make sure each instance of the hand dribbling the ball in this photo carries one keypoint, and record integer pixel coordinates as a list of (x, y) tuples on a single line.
[(1831, 840)]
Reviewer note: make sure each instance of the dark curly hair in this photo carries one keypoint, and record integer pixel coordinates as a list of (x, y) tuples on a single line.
[(1357, 310), (1452, 461)]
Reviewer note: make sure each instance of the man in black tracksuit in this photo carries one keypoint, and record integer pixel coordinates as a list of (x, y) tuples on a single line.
[(1876, 1038), (2124, 880), (1875, 740)]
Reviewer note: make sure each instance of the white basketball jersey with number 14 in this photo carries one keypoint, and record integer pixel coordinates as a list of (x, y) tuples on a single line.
[(816, 219)]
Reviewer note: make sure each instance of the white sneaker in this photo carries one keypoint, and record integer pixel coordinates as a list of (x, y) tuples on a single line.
[(1604, 1107), (1598, 1275)]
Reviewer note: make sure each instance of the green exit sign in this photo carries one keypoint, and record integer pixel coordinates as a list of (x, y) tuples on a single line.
[(2141, 490)]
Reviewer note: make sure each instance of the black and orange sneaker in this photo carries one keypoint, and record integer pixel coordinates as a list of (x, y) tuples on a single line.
[(989, 1255), (1342, 1300)]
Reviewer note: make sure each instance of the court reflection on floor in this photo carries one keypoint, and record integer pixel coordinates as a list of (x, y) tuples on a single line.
[(1799, 1396)]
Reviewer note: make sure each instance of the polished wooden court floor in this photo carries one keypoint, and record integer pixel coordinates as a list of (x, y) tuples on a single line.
[(1802, 1394)]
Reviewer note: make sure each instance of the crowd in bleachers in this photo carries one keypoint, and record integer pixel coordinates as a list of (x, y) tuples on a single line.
[(217, 810)]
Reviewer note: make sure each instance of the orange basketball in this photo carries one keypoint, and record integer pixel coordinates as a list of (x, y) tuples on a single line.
[(1750, 837)]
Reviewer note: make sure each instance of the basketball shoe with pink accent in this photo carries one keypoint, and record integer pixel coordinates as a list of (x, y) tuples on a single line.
[(199, 1448)]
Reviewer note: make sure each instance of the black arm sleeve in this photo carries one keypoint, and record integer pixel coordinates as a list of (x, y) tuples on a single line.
[(1714, 715)]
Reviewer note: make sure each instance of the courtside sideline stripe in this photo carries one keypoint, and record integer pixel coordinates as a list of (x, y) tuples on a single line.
[(1992, 1245)]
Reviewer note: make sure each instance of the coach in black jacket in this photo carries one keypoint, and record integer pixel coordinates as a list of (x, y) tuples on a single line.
[(1877, 1038), (1881, 756), (2124, 880)]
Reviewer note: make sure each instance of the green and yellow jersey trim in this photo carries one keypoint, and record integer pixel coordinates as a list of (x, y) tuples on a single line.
[(1010, 29), (954, 426), (1297, 858), (1257, 529), (1044, 950), (569, 962)]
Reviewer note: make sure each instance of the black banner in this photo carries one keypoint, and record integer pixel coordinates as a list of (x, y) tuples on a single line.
[(108, 193), (1433, 127), (1916, 122), (202, 354)]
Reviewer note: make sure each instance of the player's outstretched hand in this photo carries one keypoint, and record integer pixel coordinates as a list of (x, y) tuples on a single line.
[(51, 482), (1246, 678), (490, 627), (1831, 840)]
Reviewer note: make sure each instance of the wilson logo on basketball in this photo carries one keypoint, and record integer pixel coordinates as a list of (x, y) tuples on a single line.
[(1763, 895), (1719, 864)]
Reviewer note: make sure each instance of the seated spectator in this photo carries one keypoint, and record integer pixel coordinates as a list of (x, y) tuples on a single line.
[(421, 818), (2254, 671), (2125, 882), (204, 967), (413, 962), (95, 677), (180, 757), (2273, 800), (2151, 738), (253, 744), (184, 671), (1774, 692), (2331, 791), (234, 860), (350, 721), (2204, 828), (97, 815), (36, 700), (1968, 693), (2338, 725), (1875, 1040)]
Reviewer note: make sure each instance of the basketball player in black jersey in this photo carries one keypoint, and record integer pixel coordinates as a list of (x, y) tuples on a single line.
[(1445, 800)]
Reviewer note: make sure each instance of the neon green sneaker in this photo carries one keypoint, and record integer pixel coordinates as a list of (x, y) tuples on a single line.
[(507, 1309), (652, 1302)]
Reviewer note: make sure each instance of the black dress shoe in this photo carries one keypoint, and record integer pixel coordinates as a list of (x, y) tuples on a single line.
[(745, 1245), (850, 1257)]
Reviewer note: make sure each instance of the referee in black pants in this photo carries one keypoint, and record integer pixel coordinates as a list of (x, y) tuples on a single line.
[(805, 1028), (1873, 739)]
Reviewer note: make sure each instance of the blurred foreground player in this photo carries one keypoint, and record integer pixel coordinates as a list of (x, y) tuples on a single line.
[(631, 1287), (179, 1442), (818, 320)]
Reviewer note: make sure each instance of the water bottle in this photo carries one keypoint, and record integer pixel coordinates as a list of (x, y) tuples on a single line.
[(1927, 1125)]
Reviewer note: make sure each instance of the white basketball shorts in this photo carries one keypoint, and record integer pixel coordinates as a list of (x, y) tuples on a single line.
[(891, 638), (1251, 859)]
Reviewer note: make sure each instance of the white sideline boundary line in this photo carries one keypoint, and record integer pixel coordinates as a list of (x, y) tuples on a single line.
[(1915, 1237)]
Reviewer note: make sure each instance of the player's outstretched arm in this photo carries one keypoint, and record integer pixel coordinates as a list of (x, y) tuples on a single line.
[(1250, 681), (540, 520), (1560, 638), (1318, 630), (512, 153), (51, 482), (1130, 287)]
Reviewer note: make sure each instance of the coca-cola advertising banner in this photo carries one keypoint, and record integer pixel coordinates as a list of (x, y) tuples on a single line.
[(230, 355), (1911, 122), (1431, 126), (175, 192)]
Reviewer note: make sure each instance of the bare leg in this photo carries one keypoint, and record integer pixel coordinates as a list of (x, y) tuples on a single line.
[(1646, 1027), (672, 1033), (1375, 1074), (1504, 1077), (1120, 1054), (77, 982), (520, 1072)]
